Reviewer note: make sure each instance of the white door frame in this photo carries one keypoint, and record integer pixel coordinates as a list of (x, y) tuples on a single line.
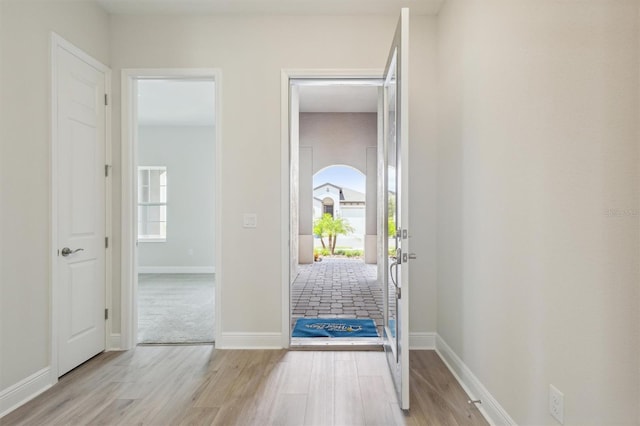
[(128, 256), (56, 43), (286, 76)]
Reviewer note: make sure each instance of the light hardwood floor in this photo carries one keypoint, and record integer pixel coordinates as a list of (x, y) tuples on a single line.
[(200, 385)]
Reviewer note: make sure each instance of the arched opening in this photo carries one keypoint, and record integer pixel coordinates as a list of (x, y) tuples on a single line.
[(340, 190), (327, 206)]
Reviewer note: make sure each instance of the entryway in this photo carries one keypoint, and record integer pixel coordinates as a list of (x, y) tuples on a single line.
[(336, 296), (390, 221)]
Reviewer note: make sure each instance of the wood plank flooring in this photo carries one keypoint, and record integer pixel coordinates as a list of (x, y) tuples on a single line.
[(200, 385)]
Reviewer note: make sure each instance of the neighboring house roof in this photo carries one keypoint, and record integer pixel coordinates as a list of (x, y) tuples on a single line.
[(352, 196), (327, 184), (346, 195)]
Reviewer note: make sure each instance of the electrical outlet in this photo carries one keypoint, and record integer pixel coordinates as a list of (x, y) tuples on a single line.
[(556, 404)]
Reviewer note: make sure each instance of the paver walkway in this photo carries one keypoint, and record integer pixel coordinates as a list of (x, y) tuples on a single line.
[(337, 288)]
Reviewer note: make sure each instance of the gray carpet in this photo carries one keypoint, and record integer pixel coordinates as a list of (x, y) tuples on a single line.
[(176, 308)]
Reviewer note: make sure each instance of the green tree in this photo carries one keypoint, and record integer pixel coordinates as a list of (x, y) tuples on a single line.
[(392, 215), (321, 227), (330, 227)]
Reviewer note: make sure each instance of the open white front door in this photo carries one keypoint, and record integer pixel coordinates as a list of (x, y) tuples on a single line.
[(80, 165), (394, 165)]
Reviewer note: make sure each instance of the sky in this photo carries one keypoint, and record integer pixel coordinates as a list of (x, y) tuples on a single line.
[(342, 176)]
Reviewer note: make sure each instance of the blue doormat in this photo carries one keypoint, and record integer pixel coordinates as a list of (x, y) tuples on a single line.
[(334, 327)]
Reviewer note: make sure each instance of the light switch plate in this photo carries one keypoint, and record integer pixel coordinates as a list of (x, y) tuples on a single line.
[(250, 220)]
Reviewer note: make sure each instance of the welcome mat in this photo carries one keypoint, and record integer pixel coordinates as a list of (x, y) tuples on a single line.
[(334, 327)]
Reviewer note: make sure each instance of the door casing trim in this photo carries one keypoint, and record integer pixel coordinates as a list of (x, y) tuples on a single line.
[(56, 41), (286, 76)]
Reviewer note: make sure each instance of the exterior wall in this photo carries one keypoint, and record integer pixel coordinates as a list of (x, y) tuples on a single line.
[(339, 138), (328, 192)]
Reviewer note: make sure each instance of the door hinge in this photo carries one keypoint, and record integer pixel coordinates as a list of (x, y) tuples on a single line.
[(399, 293), (106, 314), (106, 242), (106, 99), (106, 170)]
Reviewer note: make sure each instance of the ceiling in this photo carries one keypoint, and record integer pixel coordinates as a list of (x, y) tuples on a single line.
[(176, 103), (275, 7), (338, 98), (192, 103)]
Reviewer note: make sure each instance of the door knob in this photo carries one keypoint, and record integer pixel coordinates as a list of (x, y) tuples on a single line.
[(67, 251)]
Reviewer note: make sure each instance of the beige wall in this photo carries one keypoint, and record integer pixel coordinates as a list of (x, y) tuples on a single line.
[(252, 51), (24, 169), (538, 203)]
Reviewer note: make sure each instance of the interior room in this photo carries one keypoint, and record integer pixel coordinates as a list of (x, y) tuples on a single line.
[(176, 180), (523, 211)]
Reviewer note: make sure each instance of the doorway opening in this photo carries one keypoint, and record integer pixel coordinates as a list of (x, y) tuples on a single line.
[(336, 296), (175, 191)]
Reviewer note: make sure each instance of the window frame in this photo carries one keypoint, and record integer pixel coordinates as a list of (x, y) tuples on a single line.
[(151, 238)]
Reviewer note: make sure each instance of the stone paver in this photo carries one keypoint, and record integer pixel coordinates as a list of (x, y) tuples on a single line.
[(337, 288)]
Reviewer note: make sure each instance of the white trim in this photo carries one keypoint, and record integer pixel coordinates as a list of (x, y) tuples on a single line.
[(127, 224), (115, 342), (249, 341), (285, 76), (24, 391), (128, 257), (422, 341), (176, 269), (490, 407), (108, 261), (56, 43)]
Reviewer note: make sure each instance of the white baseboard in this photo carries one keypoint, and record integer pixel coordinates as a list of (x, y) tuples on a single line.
[(176, 269), (422, 341), (24, 391), (249, 341), (490, 407), (115, 342)]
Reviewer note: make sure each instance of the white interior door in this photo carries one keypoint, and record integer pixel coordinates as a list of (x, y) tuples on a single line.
[(395, 167), (80, 171)]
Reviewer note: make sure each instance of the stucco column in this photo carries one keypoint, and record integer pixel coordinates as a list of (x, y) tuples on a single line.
[(305, 224)]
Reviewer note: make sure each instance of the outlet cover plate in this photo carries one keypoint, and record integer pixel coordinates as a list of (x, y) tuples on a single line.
[(556, 404)]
